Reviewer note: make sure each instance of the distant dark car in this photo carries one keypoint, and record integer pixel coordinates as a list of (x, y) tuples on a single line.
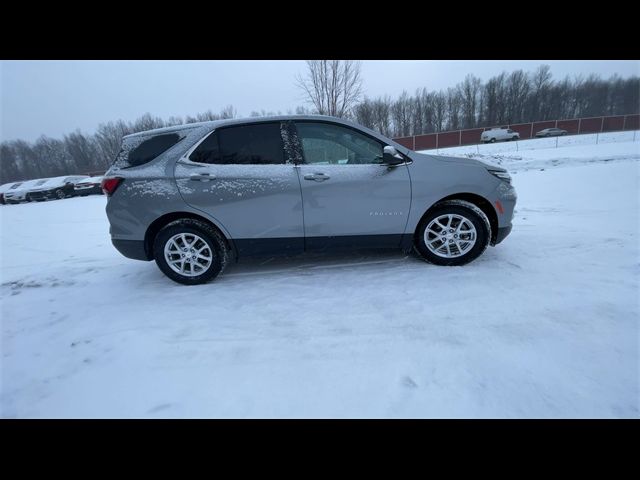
[(57, 187), (88, 186), (551, 132)]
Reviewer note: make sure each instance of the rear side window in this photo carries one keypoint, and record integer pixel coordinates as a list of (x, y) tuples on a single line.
[(259, 144), (140, 150), (208, 151), (251, 145)]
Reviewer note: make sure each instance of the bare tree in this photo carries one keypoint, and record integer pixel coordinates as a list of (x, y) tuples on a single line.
[(470, 91), (439, 110), (333, 87), (364, 113)]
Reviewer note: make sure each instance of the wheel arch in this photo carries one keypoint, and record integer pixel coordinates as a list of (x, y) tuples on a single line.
[(160, 222), (479, 201)]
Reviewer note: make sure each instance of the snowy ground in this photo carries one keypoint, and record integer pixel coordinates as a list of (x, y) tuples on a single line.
[(544, 325)]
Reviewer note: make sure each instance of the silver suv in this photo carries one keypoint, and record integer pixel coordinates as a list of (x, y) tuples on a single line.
[(196, 196)]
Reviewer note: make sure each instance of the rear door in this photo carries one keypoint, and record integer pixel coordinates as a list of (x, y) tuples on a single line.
[(241, 177), (350, 197)]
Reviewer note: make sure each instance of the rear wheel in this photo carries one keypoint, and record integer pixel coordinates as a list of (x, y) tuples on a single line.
[(454, 232), (190, 251)]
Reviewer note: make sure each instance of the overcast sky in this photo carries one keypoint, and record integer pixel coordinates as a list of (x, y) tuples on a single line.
[(57, 97)]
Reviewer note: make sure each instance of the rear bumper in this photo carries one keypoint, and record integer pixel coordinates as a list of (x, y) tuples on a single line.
[(131, 249), (502, 234)]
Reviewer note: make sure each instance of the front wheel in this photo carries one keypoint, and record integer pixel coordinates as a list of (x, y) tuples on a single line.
[(493, 140), (60, 194), (454, 232), (190, 251)]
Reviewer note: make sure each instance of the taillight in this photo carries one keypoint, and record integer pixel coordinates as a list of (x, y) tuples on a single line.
[(109, 185)]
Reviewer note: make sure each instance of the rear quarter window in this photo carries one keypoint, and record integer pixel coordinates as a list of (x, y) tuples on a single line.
[(137, 151)]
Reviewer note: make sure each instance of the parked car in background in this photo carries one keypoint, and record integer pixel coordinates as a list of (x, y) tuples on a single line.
[(551, 132), (18, 193), (88, 186), (6, 187), (56, 187), (193, 197), (499, 135)]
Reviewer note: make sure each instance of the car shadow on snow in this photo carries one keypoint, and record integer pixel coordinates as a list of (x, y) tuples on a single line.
[(383, 261), (297, 264)]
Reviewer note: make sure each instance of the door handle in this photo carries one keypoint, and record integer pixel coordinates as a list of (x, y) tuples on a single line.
[(318, 177), (202, 177)]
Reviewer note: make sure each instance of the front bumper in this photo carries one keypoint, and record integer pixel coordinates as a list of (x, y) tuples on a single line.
[(41, 195)]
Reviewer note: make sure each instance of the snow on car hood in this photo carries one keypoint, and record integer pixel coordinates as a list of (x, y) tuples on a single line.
[(471, 162)]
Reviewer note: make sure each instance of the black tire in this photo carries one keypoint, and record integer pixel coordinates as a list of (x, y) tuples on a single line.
[(493, 140), (514, 139), (209, 234), (60, 194), (459, 207)]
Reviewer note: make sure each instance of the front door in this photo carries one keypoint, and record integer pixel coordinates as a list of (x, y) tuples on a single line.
[(350, 197), (240, 177)]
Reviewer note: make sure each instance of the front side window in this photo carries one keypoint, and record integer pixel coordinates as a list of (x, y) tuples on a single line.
[(259, 144), (330, 144)]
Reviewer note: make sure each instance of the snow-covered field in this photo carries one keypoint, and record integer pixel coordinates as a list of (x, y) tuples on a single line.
[(544, 325)]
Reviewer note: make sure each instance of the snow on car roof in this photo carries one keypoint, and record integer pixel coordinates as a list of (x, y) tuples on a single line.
[(59, 181), (7, 186)]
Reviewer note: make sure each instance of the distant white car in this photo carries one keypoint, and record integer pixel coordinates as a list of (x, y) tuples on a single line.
[(6, 187), (499, 135), (18, 192)]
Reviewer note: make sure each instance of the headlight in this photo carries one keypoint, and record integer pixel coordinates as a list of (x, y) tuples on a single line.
[(501, 175)]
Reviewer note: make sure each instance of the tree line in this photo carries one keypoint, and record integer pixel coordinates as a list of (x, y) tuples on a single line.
[(518, 97), (335, 88), (80, 153)]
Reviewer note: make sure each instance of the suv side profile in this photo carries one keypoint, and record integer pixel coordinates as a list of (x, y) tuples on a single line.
[(196, 196), (499, 134)]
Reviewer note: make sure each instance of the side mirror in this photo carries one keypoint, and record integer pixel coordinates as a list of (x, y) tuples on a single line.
[(391, 156)]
